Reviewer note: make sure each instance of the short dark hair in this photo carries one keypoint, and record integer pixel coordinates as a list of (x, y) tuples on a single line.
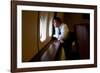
[(58, 19)]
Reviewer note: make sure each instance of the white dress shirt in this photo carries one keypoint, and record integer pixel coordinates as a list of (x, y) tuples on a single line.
[(64, 32)]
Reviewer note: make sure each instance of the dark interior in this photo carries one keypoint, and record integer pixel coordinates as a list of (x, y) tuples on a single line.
[(79, 26)]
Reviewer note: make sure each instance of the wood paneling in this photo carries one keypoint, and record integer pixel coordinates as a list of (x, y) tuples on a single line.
[(82, 34)]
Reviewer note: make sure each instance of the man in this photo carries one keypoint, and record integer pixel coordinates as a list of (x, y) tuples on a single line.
[(62, 35)]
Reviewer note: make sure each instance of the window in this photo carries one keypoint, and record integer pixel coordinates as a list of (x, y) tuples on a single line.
[(43, 26), (50, 25)]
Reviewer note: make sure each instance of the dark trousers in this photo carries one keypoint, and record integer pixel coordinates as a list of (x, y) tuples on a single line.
[(67, 48)]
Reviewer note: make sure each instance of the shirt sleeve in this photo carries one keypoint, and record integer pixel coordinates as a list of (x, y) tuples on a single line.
[(64, 32)]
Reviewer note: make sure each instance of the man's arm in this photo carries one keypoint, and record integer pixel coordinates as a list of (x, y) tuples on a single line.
[(56, 33)]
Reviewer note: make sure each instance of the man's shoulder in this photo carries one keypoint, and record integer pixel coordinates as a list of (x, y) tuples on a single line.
[(64, 26)]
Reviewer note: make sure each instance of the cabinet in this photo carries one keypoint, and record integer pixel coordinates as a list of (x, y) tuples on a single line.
[(82, 36)]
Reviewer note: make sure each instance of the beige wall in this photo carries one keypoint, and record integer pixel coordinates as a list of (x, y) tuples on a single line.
[(29, 34), (31, 43)]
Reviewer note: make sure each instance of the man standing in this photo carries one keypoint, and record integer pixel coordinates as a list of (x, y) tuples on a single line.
[(62, 35)]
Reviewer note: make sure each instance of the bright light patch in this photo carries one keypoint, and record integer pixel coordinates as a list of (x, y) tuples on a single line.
[(50, 26), (43, 25)]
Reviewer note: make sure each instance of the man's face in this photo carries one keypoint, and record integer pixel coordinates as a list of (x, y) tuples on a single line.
[(56, 23)]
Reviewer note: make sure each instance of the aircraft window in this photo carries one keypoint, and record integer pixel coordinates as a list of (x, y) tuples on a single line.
[(50, 26), (43, 26)]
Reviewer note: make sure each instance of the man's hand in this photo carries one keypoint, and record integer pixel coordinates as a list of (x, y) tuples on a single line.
[(61, 41)]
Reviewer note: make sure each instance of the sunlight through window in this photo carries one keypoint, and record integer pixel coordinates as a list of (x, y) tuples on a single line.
[(43, 26), (50, 26), (51, 15)]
